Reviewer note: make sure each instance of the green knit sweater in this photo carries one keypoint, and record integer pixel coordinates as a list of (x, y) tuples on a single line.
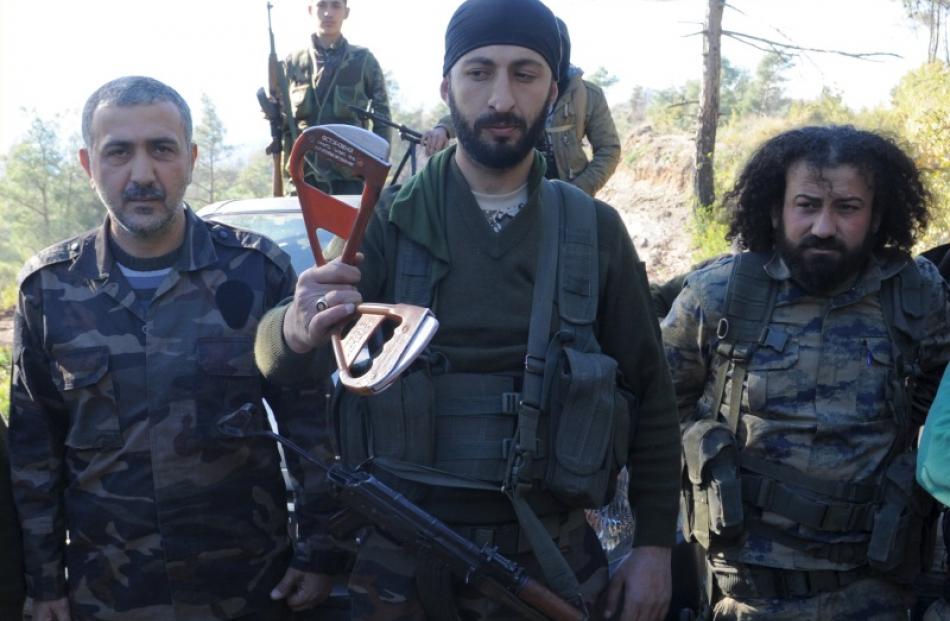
[(483, 291)]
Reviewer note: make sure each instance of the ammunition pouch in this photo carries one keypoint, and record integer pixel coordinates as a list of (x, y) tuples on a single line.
[(591, 422), (398, 424), (903, 536), (712, 494)]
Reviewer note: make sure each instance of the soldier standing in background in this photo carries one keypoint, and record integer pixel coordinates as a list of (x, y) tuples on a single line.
[(328, 77), (131, 341), (580, 112), (801, 369)]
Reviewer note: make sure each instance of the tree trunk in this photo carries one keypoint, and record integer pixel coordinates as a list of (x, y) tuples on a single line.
[(709, 106)]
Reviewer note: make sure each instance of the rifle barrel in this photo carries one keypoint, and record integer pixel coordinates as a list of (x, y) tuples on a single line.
[(406, 132)]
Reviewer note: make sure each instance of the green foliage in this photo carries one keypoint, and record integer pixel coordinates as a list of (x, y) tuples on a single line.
[(674, 108), (921, 116), (44, 195), (709, 233), (213, 178), (602, 78), (763, 93)]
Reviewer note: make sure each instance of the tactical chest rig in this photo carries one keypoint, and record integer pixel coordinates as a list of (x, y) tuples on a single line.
[(725, 491), (551, 439)]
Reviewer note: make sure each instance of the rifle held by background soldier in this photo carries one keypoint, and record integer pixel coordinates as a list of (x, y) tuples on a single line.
[(276, 105), (413, 137), (392, 513)]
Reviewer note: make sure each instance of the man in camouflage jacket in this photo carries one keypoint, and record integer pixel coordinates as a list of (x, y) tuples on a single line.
[(327, 78), (131, 342), (815, 426)]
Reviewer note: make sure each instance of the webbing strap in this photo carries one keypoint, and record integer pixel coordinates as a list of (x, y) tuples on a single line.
[(750, 298), (772, 496), (855, 553), (735, 395), (752, 582), (837, 490), (557, 572), (413, 282), (542, 302)]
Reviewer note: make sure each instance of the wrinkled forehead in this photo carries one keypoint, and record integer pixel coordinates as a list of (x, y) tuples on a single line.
[(137, 123), (828, 178), (502, 56)]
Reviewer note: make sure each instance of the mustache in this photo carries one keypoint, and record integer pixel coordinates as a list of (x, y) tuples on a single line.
[(138, 192), (503, 119), (821, 243)]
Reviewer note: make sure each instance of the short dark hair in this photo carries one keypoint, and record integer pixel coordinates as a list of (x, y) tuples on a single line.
[(900, 198), (133, 90)]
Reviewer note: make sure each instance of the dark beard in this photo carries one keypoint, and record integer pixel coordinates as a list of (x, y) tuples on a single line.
[(496, 155), (822, 273)]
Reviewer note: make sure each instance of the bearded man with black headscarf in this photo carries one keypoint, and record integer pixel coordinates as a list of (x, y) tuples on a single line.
[(490, 431), (580, 114)]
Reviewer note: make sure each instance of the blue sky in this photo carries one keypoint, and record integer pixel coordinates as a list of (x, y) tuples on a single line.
[(54, 53)]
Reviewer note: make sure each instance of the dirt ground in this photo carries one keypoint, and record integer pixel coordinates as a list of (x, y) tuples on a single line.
[(651, 190)]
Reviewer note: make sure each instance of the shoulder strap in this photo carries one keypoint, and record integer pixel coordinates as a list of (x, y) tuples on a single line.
[(413, 282), (750, 299), (578, 267), (557, 573), (580, 110), (902, 304)]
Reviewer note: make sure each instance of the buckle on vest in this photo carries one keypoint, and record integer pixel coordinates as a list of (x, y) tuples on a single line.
[(533, 364), (510, 402), (722, 329)]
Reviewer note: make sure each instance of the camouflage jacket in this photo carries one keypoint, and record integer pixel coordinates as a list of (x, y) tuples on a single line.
[(820, 404), (114, 437), (582, 112), (357, 81)]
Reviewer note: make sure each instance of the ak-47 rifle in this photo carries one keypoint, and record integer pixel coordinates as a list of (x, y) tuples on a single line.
[(479, 566), (276, 107), (413, 137)]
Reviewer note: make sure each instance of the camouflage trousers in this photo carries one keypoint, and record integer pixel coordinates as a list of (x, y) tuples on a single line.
[(866, 600), (382, 584), (938, 611)]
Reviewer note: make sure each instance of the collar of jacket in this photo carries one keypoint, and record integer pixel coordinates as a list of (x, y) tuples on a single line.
[(418, 207), (197, 249), (340, 44)]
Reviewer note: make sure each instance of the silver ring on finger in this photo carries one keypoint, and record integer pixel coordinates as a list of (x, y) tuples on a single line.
[(322, 304)]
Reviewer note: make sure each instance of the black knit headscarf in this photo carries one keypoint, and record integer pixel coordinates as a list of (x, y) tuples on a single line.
[(525, 23)]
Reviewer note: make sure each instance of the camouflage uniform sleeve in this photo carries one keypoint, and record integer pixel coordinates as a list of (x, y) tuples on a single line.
[(38, 426), (688, 334), (604, 141), (376, 89)]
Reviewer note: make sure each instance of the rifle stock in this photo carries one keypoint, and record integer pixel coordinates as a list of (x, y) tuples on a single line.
[(392, 513)]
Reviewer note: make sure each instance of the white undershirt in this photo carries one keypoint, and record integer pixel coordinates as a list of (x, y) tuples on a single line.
[(500, 209)]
